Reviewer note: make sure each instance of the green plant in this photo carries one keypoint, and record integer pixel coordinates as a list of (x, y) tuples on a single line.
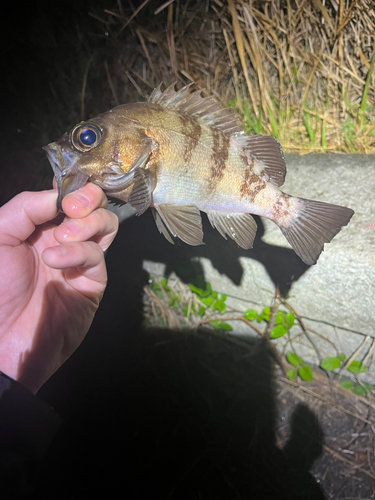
[(209, 307), (359, 388), (209, 299), (301, 368)]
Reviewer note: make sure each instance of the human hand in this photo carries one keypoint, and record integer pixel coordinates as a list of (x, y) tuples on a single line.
[(52, 278)]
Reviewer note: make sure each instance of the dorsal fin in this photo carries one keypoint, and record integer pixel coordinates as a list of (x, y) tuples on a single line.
[(205, 109), (267, 150)]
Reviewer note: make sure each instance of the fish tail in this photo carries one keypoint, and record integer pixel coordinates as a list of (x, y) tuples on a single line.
[(312, 224)]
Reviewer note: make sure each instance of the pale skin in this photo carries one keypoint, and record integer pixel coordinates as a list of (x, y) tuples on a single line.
[(53, 276)]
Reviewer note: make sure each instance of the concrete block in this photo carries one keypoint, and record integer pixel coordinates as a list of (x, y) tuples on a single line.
[(336, 297)]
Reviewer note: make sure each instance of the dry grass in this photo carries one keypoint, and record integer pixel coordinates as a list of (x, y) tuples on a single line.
[(302, 71)]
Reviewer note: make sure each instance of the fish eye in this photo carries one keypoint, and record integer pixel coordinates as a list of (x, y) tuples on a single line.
[(86, 136)]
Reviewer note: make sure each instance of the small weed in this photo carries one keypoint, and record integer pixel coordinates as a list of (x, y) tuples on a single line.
[(360, 388), (204, 306)]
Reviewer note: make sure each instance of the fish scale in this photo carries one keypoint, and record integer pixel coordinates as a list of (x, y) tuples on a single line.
[(180, 153)]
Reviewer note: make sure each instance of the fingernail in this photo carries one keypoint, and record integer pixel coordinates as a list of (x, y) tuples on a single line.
[(82, 199), (71, 227)]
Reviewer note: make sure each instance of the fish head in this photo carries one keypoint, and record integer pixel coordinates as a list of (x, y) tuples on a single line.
[(102, 150)]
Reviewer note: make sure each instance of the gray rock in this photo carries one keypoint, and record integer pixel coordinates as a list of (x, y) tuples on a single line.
[(336, 297)]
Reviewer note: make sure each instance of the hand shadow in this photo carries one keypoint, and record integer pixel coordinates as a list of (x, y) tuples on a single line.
[(165, 414), (282, 264)]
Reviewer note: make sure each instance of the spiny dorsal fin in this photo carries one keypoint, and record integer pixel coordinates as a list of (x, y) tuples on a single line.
[(267, 150), (206, 109)]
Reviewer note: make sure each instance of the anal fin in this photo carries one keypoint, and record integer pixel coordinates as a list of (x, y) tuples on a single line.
[(183, 221), (240, 227)]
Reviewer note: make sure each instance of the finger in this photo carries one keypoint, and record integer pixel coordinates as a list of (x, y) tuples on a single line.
[(101, 226), (54, 183), (82, 202), (22, 213), (87, 257)]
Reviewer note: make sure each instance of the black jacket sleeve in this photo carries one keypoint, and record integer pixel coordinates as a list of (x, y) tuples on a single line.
[(27, 424)]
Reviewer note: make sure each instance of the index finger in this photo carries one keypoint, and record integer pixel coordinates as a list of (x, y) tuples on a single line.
[(82, 202), (22, 213)]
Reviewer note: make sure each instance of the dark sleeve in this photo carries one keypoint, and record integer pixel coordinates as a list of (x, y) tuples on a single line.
[(27, 424)]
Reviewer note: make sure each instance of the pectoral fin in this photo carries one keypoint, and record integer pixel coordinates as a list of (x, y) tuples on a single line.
[(140, 197), (240, 227), (183, 221)]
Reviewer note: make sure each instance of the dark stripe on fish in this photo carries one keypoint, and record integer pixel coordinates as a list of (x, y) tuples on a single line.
[(192, 132), (251, 185), (220, 153)]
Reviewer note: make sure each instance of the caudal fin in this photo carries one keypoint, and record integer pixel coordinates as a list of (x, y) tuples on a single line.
[(314, 224)]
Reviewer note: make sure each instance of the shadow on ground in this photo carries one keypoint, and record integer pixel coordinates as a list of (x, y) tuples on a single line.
[(167, 414)]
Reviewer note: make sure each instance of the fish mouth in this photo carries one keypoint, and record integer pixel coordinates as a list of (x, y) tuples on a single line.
[(65, 168)]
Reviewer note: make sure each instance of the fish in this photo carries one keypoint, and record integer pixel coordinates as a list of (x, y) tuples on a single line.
[(181, 154)]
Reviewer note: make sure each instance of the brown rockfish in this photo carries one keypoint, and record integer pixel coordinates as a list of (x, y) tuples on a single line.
[(180, 153)]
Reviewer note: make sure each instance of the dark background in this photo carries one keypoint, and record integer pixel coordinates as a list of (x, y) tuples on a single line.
[(146, 414)]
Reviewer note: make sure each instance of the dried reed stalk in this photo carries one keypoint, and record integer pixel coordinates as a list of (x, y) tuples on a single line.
[(301, 70)]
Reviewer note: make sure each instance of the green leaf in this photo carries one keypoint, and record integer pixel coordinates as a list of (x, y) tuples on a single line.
[(215, 295), (201, 311), (174, 302), (278, 331), (357, 367), (163, 282), (223, 297), (294, 359), (330, 363), (342, 357), (250, 314), (152, 283), (289, 320), (195, 289), (306, 373), (279, 319), (218, 305), (220, 325), (207, 301), (264, 315), (359, 390), (291, 374), (346, 384)]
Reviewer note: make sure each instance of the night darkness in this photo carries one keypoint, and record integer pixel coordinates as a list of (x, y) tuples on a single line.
[(145, 416), (41, 56)]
